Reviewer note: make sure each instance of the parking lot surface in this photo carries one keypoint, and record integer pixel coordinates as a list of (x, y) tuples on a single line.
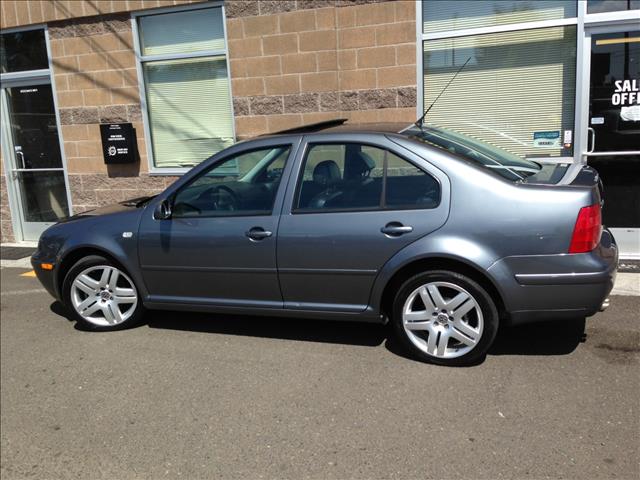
[(205, 396)]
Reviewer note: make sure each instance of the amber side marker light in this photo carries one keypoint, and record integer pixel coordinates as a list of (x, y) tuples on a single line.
[(46, 266)]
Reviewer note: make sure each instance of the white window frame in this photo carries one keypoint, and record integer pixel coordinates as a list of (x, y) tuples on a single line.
[(141, 59), (421, 38)]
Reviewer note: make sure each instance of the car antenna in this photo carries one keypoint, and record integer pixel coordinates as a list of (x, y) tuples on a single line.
[(420, 121)]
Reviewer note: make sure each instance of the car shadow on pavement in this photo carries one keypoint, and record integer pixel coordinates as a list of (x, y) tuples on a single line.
[(545, 338)]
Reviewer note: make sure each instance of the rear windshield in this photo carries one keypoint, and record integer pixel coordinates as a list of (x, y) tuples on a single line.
[(504, 163)]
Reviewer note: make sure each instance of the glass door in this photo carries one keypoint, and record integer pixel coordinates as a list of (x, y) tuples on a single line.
[(35, 169), (613, 142)]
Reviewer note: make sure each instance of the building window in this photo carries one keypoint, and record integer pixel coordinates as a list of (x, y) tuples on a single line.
[(517, 91), (601, 6), (186, 84)]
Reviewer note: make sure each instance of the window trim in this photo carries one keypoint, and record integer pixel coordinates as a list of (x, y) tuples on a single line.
[(295, 210), (226, 158), (141, 59)]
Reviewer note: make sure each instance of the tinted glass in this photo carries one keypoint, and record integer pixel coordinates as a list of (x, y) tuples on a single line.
[(243, 185), (352, 177), (22, 51), (600, 6)]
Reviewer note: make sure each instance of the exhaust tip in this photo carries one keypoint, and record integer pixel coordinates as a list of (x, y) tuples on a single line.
[(605, 304)]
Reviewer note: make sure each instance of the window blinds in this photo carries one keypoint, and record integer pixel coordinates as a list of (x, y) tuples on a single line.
[(189, 107), (464, 14), (515, 85)]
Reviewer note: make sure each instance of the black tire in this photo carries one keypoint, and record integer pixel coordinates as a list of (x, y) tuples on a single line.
[(489, 319), (134, 311)]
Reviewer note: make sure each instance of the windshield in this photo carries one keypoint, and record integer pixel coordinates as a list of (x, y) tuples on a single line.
[(504, 163)]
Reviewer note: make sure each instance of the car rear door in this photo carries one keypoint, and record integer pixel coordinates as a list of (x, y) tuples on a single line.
[(334, 237), (219, 246)]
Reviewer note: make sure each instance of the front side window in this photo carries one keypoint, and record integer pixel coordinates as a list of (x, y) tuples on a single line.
[(245, 184), (353, 176), (186, 81)]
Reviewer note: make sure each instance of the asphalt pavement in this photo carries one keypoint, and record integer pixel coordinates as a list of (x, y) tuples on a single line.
[(204, 396)]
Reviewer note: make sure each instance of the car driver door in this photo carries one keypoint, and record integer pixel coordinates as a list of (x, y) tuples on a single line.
[(217, 244)]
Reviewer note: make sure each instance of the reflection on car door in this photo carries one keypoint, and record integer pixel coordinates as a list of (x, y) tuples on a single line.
[(334, 238), (219, 247)]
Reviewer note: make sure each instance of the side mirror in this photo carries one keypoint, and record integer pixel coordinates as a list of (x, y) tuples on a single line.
[(163, 210)]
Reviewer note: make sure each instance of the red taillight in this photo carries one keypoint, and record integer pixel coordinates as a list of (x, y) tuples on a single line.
[(586, 233)]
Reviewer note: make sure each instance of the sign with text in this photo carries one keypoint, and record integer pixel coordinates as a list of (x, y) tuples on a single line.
[(118, 143)]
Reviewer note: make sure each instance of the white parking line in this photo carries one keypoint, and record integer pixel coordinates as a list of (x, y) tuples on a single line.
[(627, 284)]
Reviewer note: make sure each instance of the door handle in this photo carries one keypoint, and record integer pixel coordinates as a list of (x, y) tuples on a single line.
[(592, 134), (258, 233), (395, 229), (18, 150)]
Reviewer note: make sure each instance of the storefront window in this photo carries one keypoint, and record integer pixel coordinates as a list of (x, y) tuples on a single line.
[(184, 64), (601, 6), (21, 51), (465, 14), (517, 91)]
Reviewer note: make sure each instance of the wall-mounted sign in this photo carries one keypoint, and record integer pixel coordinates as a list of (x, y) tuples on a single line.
[(118, 143), (627, 92), (546, 139)]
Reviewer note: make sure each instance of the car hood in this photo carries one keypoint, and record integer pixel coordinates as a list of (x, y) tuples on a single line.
[(127, 205)]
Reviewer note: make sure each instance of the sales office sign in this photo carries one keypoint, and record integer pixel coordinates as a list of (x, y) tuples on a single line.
[(118, 143), (626, 92)]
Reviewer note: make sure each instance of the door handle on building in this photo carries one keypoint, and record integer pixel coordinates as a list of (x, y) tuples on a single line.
[(592, 132), (18, 150)]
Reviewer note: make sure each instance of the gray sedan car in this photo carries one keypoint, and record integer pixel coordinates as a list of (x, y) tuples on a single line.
[(443, 236)]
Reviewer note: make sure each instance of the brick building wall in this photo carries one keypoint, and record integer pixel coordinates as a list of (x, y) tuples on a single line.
[(291, 62)]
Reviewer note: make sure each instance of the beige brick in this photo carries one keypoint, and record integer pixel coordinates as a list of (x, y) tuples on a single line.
[(234, 28), (123, 59), (73, 133), (243, 87), (86, 165), (263, 66), (346, 17), (247, 47), (249, 126), (406, 54), (88, 148), (325, 18), (91, 62), (276, 123), (346, 59), (315, 117), (96, 97), (57, 47), (80, 81), (124, 95), (62, 82), (405, 11), (111, 42), (357, 79), (35, 12), (357, 37), (129, 77), (300, 21), (70, 98), (376, 57), (397, 76), (395, 33), (377, 13), (397, 115), (318, 41), (280, 44), (282, 85), (327, 61), (77, 46), (70, 149), (259, 26), (299, 63), (66, 64), (22, 14), (362, 116), (319, 82)]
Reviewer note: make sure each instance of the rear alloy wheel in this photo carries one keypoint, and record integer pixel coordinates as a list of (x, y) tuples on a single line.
[(101, 295), (445, 318)]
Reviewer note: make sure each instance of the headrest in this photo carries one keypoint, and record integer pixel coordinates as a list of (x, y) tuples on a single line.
[(326, 173)]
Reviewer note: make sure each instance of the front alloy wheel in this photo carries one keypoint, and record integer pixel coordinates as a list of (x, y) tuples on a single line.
[(445, 318), (101, 295)]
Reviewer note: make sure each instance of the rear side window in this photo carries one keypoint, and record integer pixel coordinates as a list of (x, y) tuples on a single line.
[(352, 176)]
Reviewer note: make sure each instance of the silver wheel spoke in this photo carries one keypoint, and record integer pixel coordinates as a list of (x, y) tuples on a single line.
[(91, 310), (456, 301), (443, 341), (416, 316), (462, 338), (84, 287), (436, 296), (463, 310), (432, 340), (90, 282), (87, 302), (465, 328), (124, 300), (108, 314), (124, 292), (417, 325), (113, 278), (426, 299), (104, 278)]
